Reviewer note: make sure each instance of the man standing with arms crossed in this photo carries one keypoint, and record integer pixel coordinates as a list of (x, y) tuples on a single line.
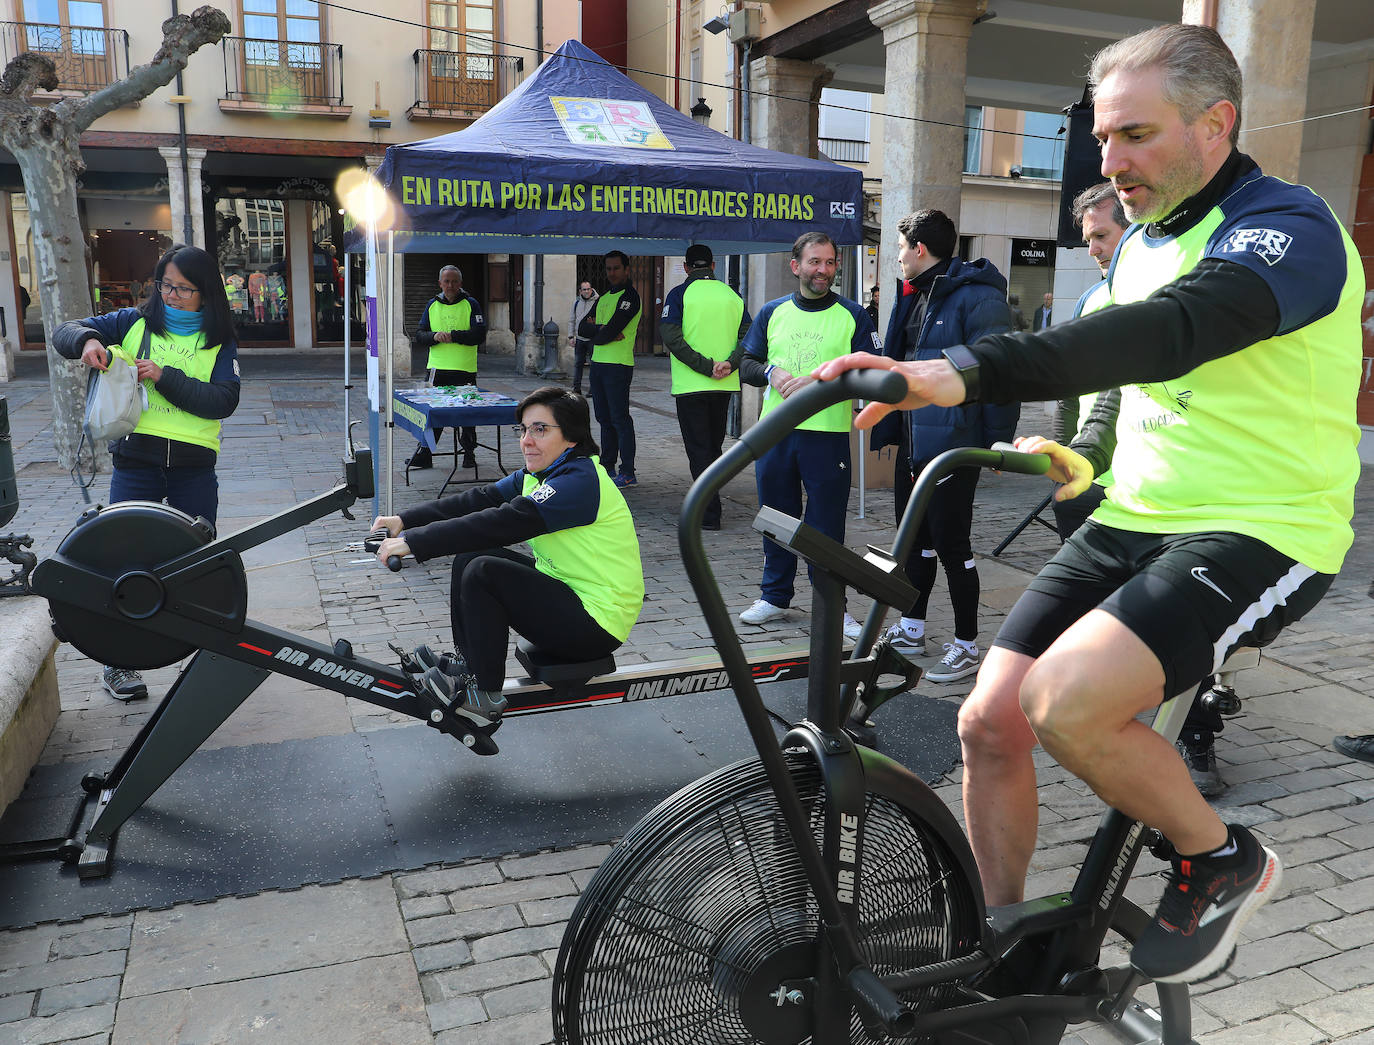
[(1237, 309), (612, 330), (703, 325), (451, 327), (791, 337)]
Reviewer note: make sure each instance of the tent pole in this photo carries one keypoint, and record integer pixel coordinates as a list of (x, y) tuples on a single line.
[(348, 315), (389, 326)]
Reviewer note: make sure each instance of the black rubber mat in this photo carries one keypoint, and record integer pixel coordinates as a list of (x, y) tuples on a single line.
[(238, 820)]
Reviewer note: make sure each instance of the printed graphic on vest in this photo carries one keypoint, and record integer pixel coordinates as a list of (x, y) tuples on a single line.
[(542, 493), (609, 122), (1269, 244)]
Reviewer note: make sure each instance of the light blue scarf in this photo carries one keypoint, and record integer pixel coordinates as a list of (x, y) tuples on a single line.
[(180, 321)]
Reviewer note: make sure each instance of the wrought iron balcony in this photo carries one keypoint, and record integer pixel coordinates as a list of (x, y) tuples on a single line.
[(454, 83), (86, 59), (287, 74)]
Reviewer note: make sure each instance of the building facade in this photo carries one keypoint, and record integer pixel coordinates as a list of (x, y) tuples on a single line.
[(243, 153)]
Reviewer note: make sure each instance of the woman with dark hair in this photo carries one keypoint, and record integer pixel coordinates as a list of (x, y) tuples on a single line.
[(181, 340), (580, 594)]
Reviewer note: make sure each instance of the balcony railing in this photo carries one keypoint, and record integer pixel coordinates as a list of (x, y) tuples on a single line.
[(284, 73), (86, 59), (844, 150), (450, 82)]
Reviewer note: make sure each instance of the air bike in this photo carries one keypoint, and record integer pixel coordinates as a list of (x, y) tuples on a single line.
[(822, 893), (141, 585)]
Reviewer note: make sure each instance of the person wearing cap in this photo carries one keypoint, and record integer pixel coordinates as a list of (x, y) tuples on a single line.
[(703, 326)]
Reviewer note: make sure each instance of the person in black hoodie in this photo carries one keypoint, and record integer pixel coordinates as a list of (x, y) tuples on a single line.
[(942, 301)]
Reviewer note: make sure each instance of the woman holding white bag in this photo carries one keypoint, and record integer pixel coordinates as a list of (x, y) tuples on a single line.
[(182, 342)]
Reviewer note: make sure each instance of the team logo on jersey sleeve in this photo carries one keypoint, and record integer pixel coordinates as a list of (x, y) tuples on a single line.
[(1270, 244), (542, 493)]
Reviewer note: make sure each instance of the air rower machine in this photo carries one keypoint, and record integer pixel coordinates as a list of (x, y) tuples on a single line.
[(141, 585)]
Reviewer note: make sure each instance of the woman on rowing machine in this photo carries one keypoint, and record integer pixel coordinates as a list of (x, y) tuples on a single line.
[(576, 598)]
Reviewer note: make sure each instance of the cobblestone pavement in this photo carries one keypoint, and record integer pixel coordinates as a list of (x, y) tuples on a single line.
[(464, 953)]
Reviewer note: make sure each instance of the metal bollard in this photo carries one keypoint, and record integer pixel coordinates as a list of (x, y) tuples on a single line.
[(551, 368), (9, 485)]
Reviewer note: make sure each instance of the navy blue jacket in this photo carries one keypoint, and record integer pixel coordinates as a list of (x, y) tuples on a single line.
[(968, 301)]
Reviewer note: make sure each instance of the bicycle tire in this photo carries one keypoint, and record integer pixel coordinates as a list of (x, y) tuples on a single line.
[(703, 909)]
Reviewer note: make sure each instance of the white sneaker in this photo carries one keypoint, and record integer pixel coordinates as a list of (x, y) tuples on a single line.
[(851, 627), (762, 612), (904, 642), (956, 664)]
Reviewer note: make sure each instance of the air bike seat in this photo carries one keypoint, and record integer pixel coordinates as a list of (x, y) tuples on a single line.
[(550, 670)]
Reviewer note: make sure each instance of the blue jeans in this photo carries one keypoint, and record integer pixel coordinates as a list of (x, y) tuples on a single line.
[(194, 491), (814, 462), (610, 384)]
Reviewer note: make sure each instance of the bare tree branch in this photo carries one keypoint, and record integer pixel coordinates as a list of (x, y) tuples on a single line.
[(27, 73), (182, 36)]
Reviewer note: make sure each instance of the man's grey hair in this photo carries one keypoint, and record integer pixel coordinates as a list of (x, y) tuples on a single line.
[(1199, 69), (1093, 197), (450, 268)]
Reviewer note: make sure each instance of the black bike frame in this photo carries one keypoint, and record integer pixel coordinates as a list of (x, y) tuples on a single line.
[(1076, 923)]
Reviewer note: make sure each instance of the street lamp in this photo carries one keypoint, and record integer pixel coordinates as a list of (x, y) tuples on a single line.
[(701, 112)]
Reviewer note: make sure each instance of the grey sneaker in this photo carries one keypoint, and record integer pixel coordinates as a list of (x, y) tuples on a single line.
[(123, 684), (762, 612), (1198, 748), (957, 663), (851, 627), (453, 664), (902, 641)]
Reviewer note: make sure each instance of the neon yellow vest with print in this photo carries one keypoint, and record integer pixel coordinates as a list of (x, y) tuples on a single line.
[(445, 317), (1100, 297), (182, 351), (711, 314), (622, 351), (1259, 442), (599, 561), (800, 341)]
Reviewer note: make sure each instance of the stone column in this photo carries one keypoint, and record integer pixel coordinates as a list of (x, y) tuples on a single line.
[(784, 110), (1274, 65), (180, 196), (926, 43)]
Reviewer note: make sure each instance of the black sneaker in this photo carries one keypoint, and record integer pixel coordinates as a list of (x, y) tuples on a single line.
[(469, 461), (479, 706), (1198, 748), (421, 458), (123, 684), (453, 664), (1204, 906)]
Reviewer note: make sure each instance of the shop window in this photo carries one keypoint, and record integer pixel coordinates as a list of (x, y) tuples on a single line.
[(250, 237), (326, 271)]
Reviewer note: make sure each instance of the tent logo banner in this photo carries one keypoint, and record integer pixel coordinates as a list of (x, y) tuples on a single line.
[(609, 122)]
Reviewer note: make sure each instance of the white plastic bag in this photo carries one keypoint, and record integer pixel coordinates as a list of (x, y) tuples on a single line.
[(115, 400)]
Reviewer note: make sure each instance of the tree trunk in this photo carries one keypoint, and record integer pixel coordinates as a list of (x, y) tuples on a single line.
[(63, 286)]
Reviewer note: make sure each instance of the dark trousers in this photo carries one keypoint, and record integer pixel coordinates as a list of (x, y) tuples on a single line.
[(611, 400), (816, 463), (943, 536), (498, 591), (194, 491), (582, 351), (701, 418), (467, 437)]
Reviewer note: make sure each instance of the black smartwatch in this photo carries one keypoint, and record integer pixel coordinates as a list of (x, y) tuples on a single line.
[(966, 363)]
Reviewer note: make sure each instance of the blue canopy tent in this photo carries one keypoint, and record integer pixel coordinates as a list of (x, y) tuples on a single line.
[(579, 159)]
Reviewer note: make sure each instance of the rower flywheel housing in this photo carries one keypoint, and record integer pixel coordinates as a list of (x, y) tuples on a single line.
[(112, 595)]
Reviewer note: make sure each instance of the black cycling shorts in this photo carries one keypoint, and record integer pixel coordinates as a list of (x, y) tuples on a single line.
[(1191, 598)]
